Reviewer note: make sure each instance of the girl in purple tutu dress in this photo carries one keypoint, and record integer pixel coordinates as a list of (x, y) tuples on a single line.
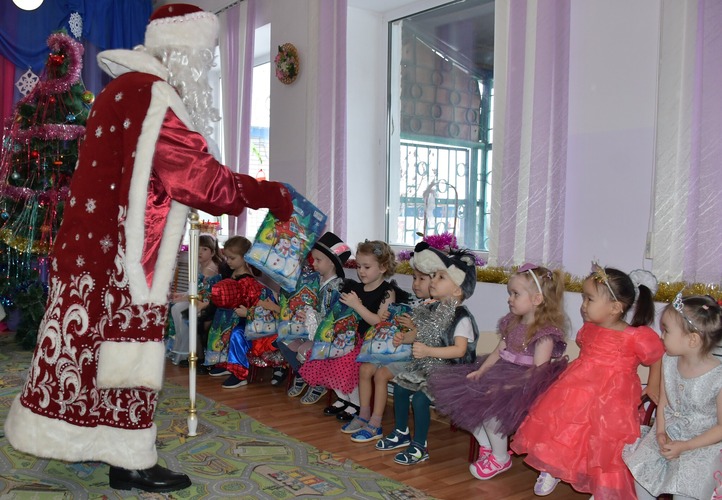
[(491, 397)]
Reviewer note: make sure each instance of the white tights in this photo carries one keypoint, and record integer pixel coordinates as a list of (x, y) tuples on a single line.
[(498, 443), (352, 397)]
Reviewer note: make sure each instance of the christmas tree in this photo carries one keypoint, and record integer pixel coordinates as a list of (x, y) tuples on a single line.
[(39, 154)]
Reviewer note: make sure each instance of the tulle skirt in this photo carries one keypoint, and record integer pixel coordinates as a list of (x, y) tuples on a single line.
[(504, 393)]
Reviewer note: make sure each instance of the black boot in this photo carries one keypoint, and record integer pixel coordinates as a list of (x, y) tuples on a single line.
[(156, 479)]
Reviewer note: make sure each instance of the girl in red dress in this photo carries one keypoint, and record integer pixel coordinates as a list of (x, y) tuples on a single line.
[(576, 430)]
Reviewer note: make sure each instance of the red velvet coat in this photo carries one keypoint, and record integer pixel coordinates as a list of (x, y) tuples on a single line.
[(92, 386)]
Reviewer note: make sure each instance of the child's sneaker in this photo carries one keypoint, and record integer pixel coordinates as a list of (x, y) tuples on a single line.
[(488, 467), (397, 439), (545, 484), (217, 371), (414, 454), (232, 382), (366, 434), (297, 388), (313, 395), (356, 424)]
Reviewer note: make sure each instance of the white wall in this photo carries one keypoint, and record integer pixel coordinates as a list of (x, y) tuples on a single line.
[(612, 103)]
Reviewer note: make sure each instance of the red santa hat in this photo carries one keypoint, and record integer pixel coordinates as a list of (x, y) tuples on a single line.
[(182, 25)]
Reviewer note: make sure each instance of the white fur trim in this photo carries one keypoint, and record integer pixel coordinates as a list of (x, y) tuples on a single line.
[(456, 275), (163, 97), (125, 365), (117, 62), (198, 30), (427, 262), (54, 438)]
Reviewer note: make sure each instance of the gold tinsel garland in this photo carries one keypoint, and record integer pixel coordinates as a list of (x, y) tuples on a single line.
[(665, 293)]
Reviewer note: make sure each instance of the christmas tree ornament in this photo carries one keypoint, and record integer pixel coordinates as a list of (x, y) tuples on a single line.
[(88, 97)]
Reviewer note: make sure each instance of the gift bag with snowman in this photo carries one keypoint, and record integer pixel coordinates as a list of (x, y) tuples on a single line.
[(378, 344), (298, 305), (280, 247), (336, 334), (261, 322)]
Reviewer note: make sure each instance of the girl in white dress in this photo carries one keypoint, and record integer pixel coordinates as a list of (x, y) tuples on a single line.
[(674, 457)]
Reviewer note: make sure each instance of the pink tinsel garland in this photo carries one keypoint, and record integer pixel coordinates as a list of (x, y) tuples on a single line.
[(60, 42), (50, 132)]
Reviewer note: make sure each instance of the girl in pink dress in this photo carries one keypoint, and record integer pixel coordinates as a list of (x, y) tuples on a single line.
[(491, 397), (576, 430)]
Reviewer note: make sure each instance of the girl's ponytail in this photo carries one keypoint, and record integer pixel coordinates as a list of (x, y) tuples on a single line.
[(644, 308)]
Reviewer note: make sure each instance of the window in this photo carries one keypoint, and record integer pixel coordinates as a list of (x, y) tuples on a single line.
[(440, 115)]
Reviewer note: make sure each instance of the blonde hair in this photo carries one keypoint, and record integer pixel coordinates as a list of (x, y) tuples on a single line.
[(382, 252), (551, 311)]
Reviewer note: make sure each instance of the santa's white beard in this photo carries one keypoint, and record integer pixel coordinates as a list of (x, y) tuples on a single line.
[(188, 74)]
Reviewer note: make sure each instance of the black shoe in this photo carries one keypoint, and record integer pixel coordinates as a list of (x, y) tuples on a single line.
[(279, 375), (345, 416), (156, 479), (335, 409)]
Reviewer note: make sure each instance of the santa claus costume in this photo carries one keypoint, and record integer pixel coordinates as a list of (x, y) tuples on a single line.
[(98, 365)]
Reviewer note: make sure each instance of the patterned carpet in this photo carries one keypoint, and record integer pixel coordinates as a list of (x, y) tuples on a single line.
[(233, 456)]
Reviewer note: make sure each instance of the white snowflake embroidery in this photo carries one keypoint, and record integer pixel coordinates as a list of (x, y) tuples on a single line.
[(90, 206), (72, 201), (80, 261), (90, 236), (112, 128), (95, 163), (55, 265), (93, 113), (126, 123), (27, 82), (118, 97), (106, 243), (99, 131), (76, 24)]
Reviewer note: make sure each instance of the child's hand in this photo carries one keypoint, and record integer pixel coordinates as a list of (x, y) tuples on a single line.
[(301, 316), (419, 350), (351, 300), (398, 339), (652, 393), (384, 315), (241, 311), (178, 297), (406, 322), (267, 304), (475, 375), (673, 449), (202, 305), (662, 439)]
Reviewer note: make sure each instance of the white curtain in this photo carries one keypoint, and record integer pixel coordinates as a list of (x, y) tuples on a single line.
[(531, 86), (326, 120), (237, 36), (687, 243)]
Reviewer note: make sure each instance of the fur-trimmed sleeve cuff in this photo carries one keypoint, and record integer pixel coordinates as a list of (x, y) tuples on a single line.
[(125, 365)]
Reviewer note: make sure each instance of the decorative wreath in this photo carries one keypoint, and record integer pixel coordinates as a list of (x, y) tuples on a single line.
[(287, 63)]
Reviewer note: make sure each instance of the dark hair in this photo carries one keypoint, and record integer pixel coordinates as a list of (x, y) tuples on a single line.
[(624, 291), (238, 244), (702, 315), (208, 241)]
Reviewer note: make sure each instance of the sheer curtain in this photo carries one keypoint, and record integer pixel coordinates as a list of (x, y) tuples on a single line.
[(688, 180), (326, 122), (237, 40), (531, 85)]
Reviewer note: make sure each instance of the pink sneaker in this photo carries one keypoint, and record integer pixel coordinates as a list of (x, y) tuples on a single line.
[(488, 467), (484, 451)]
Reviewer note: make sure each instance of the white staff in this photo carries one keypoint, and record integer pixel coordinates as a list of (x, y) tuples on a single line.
[(193, 319)]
